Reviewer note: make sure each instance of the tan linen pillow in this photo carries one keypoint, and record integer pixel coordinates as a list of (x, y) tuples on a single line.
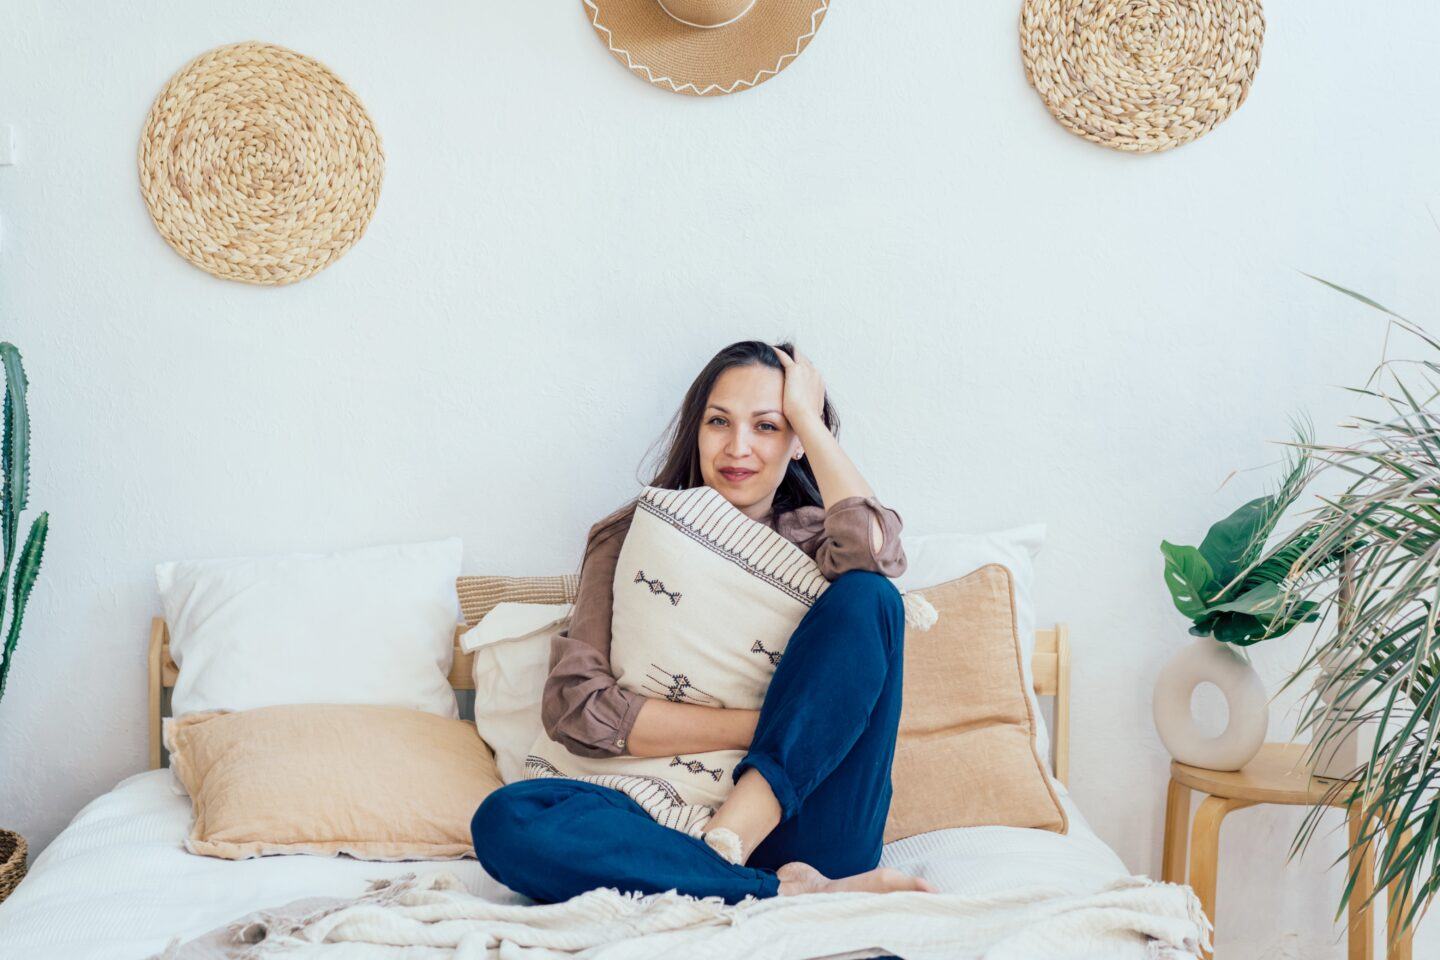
[(374, 782), (966, 753), (480, 593)]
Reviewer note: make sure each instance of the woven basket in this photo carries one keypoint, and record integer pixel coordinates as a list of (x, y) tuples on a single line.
[(12, 861)]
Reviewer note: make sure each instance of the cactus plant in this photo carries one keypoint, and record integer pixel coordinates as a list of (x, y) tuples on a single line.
[(15, 477)]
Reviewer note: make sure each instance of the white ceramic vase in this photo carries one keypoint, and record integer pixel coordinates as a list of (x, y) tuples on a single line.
[(1204, 660)]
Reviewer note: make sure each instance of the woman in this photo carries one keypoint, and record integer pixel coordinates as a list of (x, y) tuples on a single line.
[(807, 812)]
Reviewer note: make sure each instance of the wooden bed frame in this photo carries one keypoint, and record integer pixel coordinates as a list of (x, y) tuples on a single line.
[(1051, 668)]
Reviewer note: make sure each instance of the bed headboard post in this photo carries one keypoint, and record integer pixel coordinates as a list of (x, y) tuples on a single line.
[(154, 664), (1062, 703), (1051, 668)]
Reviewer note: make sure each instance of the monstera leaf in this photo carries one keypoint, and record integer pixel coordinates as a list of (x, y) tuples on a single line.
[(1189, 576)]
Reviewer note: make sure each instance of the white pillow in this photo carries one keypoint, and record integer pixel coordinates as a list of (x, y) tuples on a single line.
[(933, 559), (513, 621), (511, 644), (372, 626)]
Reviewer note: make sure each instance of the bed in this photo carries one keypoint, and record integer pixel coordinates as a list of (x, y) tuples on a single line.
[(116, 884)]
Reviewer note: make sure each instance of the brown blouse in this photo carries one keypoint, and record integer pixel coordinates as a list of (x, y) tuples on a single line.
[(589, 713)]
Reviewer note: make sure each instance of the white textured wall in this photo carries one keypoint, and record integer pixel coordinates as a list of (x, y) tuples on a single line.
[(1015, 325)]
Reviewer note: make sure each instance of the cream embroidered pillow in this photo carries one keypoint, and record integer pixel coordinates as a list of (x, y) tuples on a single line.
[(511, 644), (966, 754), (705, 601), (374, 782)]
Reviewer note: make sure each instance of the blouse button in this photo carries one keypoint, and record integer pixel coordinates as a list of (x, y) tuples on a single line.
[(620, 743)]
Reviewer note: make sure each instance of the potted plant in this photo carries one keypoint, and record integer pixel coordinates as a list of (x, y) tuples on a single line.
[(25, 561), (1379, 657), (1233, 598)]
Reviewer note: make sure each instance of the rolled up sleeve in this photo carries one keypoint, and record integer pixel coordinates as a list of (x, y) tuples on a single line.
[(847, 540), (583, 707)]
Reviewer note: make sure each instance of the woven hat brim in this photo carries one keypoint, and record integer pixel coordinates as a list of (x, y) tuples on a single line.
[(700, 62)]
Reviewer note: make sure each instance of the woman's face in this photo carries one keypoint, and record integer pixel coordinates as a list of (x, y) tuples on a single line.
[(745, 441)]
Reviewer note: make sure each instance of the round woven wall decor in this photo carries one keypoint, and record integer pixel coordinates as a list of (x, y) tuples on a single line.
[(258, 164), (1141, 75)]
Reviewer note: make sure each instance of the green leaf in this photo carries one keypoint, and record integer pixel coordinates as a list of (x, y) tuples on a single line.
[(1276, 567), (1357, 296), (1241, 629), (1264, 602), (26, 570), (1188, 576), (1225, 545), (1205, 626)]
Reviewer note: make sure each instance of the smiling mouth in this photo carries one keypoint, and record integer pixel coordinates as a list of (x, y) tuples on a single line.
[(736, 476)]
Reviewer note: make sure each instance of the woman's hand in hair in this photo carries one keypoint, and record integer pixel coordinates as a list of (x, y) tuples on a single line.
[(804, 402), (804, 397)]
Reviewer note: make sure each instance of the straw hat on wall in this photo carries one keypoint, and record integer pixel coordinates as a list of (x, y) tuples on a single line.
[(706, 47)]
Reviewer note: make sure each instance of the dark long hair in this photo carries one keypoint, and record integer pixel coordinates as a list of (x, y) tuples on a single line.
[(679, 467)]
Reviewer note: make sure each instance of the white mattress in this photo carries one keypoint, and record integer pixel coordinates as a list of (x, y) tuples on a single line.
[(116, 884)]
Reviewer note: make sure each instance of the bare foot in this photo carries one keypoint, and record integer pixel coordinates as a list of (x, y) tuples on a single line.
[(797, 877)]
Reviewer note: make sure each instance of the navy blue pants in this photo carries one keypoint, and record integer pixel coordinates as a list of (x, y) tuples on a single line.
[(824, 741)]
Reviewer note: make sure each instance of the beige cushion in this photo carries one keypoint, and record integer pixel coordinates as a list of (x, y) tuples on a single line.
[(479, 594), (374, 782), (966, 754)]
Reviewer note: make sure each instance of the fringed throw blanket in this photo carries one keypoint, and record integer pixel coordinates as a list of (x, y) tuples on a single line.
[(435, 918), (705, 601)]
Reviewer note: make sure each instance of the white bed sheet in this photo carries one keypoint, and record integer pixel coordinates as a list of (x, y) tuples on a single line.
[(116, 884)]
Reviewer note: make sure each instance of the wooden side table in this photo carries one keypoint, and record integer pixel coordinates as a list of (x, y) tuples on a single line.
[(1276, 775)]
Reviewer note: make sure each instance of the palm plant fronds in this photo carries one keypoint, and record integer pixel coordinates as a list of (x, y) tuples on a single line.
[(1379, 653)]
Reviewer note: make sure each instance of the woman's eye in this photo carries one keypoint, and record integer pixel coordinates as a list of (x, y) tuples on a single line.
[(764, 423)]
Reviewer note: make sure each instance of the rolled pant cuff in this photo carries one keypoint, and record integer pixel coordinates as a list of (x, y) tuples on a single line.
[(769, 886), (774, 775)]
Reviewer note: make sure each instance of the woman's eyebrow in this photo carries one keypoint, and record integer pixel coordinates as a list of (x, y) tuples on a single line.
[(757, 413)]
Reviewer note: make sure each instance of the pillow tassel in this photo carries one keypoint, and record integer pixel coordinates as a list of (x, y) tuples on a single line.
[(919, 612), (725, 842)]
